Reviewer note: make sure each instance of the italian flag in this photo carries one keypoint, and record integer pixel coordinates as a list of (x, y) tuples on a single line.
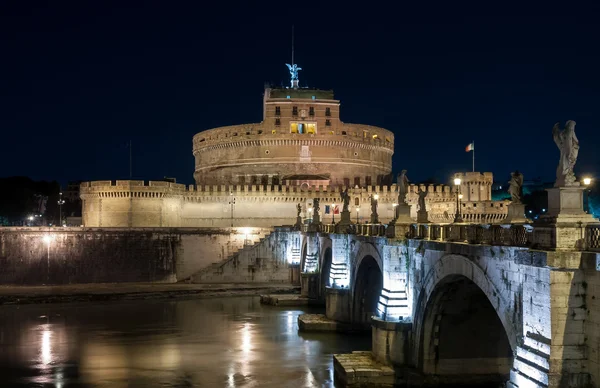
[(470, 147)]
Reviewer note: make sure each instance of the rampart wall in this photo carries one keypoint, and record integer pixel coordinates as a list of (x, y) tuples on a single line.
[(95, 255), (165, 204)]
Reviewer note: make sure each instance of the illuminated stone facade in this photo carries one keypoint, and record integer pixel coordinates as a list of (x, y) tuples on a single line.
[(301, 136), (254, 175)]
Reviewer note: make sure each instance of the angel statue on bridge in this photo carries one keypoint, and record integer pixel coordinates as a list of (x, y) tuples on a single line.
[(345, 200), (567, 143), (515, 188)]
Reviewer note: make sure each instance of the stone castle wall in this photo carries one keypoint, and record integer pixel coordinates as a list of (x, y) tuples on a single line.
[(261, 153), (94, 255), (165, 204)]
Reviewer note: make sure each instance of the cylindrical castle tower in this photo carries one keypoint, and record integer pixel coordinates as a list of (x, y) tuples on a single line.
[(301, 139)]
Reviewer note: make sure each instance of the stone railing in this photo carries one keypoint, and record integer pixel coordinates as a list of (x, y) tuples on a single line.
[(516, 235), (509, 235), (592, 237)]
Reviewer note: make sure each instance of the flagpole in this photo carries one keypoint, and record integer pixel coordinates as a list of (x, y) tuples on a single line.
[(130, 164), (473, 155)]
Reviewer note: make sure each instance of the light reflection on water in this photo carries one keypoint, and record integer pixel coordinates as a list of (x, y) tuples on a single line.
[(224, 342)]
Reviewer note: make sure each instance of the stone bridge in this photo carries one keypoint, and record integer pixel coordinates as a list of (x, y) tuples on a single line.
[(461, 303)]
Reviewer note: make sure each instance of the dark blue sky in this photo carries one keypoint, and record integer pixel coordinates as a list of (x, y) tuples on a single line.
[(80, 80)]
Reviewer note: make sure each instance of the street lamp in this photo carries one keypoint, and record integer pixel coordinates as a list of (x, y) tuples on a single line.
[(457, 217), (47, 239), (60, 203), (357, 209), (232, 204), (587, 181)]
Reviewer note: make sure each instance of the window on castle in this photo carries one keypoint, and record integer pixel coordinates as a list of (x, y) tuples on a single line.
[(311, 111), (356, 201), (274, 132), (343, 132), (295, 111), (368, 180), (328, 123), (327, 111), (278, 110), (277, 122), (293, 127), (357, 181)]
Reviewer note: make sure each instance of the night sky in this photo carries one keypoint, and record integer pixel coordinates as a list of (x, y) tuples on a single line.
[(80, 80)]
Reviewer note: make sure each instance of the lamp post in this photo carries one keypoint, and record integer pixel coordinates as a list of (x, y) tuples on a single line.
[(333, 213), (60, 203), (457, 217), (587, 181), (357, 209), (374, 203), (232, 204), (47, 239)]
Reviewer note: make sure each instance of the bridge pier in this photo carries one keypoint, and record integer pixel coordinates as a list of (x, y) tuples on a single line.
[(337, 304), (391, 342)]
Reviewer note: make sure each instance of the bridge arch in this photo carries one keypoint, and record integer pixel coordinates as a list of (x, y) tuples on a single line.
[(367, 283), (463, 324)]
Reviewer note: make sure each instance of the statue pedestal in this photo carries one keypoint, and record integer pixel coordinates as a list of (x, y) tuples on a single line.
[(345, 218), (374, 218), (298, 223), (516, 214), (422, 217), (344, 224), (403, 214), (562, 228), (565, 204)]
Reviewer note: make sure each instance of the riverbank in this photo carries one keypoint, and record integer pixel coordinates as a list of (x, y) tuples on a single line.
[(94, 292)]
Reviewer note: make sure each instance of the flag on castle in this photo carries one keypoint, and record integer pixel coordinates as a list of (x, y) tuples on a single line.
[(332, 209), (470, 147)]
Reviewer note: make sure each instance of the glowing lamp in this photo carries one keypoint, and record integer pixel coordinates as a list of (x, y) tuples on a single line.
[(457, 181), (460, 196), (376, 196), (47, 239), (587, 181)]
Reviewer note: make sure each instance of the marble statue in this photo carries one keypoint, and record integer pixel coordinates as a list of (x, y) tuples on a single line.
[(299, 210), (316, 207), (373, 205), (402, 183), (293, 70), (515, 187), (422, 195), (345, 200), (567, 143)]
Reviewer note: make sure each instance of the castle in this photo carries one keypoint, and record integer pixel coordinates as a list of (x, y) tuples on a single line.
[(254, 175)]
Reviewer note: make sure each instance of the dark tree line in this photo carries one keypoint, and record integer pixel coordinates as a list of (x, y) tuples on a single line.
[(21, 197)]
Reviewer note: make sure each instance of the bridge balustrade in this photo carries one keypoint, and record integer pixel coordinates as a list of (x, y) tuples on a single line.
[(592, 237), (516, 235)]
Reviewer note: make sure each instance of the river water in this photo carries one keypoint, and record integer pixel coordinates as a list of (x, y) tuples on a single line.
[(220, 342)]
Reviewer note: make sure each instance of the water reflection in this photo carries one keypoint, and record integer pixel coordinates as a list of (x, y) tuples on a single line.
[(229, 342)]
